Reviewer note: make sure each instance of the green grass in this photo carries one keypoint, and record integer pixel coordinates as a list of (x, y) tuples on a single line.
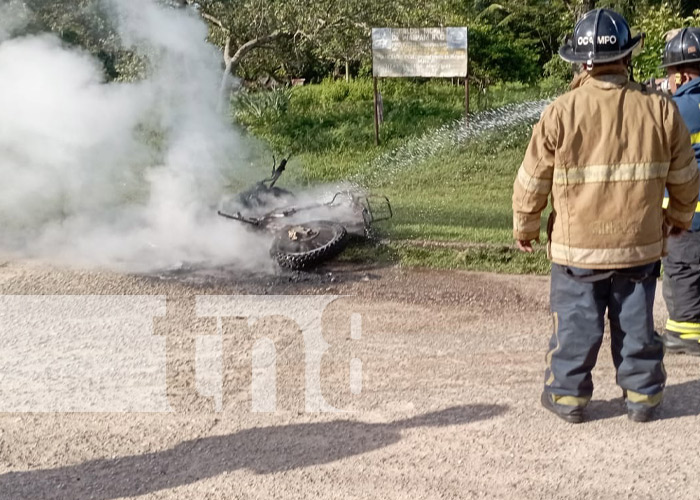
[(500, 260), (329, 127), (461, 194), (497, 258)]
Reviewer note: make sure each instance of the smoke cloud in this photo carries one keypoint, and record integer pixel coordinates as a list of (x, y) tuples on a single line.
[(118, 175), (13, 16)]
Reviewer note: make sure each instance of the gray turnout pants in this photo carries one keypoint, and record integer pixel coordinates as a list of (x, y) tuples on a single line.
[(578, 300), (682, 284)]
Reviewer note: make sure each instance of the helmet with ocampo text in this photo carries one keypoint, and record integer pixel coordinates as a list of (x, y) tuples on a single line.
[(601, 36)]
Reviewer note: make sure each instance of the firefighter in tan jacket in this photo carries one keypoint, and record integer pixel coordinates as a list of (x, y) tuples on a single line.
[(605, 152)]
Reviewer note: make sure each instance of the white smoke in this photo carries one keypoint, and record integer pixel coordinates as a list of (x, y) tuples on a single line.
[(122, 175), (13, 16)]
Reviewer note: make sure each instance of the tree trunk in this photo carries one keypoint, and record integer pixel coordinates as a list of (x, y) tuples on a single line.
[(582, 7), (225, 88), (232, 61), (347, 71)]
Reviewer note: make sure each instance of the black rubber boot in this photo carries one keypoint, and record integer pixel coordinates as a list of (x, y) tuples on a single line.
[(641, 414), (676, 345), (572, 414)]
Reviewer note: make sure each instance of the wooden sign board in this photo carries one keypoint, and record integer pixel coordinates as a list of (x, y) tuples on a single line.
[(423, 52)]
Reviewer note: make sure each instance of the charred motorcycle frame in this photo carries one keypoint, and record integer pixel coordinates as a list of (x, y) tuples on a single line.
[(305, 235)]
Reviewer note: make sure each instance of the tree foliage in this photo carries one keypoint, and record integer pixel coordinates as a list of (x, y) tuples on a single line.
[(655, 22), (87, 24), (510, 40)]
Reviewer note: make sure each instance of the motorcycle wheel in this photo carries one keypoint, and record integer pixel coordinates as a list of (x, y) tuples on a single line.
[(300, 246)]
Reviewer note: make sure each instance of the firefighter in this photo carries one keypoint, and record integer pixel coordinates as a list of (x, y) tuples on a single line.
[(605, 151), (681, 285)]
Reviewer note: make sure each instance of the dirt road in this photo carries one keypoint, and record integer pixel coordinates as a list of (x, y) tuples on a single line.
[(446, 406)]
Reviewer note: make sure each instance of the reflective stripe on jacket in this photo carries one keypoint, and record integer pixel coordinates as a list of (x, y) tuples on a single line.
[(605, 151)]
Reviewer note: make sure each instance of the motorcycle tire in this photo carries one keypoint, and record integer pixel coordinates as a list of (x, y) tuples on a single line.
[(293, 249)]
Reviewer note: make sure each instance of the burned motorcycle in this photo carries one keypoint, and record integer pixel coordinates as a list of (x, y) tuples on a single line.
[(307, 233)]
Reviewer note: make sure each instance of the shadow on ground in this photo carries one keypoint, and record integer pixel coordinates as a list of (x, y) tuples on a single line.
[(263, 450)]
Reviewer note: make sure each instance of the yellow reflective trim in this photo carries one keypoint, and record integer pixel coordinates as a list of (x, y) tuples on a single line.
[(653, 400), (563, 254), (695, 138), (664, 204), (683, 327), (678, 215), (570, 400), (611, 173), (683, 175), (533, 184)]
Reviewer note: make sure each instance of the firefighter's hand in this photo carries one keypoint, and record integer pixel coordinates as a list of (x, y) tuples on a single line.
[(526, 245)]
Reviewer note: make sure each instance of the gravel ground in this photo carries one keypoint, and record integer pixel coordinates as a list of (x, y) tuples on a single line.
[(156, 401)]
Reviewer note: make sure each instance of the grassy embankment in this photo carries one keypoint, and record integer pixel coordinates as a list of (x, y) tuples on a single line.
[(452, 205)]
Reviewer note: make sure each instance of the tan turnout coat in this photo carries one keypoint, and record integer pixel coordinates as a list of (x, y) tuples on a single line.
[(605, 151)]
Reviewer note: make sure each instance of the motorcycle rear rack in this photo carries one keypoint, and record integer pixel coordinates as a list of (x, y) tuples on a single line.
[(369, 213)]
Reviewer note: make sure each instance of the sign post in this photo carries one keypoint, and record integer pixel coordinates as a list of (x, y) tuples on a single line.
[(466, 94), (376, 113), (421, 52)]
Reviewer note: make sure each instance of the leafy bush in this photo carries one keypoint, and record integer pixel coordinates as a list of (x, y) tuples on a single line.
[(337, 115), (361, 90), (330, 126), (558, 70), (263, 105), (655, 21), (499, 55), (331, 92)]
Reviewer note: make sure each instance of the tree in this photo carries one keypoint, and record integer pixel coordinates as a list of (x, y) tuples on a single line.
[(240, 27), (87, 24), (350, 39), (328, 28), (655, 21), (538, 24), (578, 8), (509, 39)]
